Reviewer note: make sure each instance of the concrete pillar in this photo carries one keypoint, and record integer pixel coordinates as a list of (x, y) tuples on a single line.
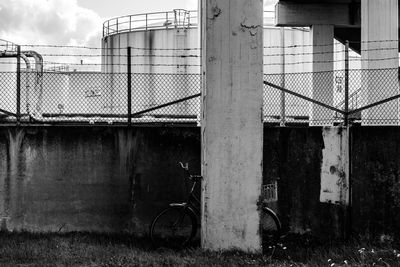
[(322, 74), (379, 54), (232, 129)]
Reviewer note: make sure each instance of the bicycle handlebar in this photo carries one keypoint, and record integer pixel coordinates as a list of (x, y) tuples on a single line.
[(185, 167)]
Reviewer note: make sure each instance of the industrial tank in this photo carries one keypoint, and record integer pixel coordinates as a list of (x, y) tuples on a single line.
[(165, 62)]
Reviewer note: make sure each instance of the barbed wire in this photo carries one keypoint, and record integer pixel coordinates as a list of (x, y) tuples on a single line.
[(332, 61), (197, 56), (329, 44), (52, 69), (124, 64), (104, 48), (322, 53), (199, 65), (194, 48), (87, 55)]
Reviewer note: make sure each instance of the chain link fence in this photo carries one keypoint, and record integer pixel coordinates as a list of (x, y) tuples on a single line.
[(369, 97), (315, 99), (90, 97)]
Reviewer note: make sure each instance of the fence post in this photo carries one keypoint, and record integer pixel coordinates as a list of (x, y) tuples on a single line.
[(117, 26), (18, 84), (129, 70), (283, 95), (346, 83), (348, 231)]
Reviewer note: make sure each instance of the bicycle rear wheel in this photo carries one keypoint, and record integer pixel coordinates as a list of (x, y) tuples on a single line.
[(271, 229), (174, 227)]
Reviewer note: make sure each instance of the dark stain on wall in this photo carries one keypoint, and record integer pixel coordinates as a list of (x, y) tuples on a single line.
[(376, 184)]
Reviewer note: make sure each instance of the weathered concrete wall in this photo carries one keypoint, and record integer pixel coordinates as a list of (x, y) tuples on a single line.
[(297, 158), (91, 179), (114, 179), (376, 182)]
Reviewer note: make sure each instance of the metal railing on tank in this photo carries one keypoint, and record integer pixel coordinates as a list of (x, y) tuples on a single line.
[(178, 18), (158, 20), (7, 46)]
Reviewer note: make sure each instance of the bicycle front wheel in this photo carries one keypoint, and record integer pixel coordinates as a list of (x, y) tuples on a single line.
[(271, 229), (174, 227)]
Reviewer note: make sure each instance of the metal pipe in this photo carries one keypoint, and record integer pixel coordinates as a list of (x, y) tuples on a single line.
[(39, 78), (165, 105)]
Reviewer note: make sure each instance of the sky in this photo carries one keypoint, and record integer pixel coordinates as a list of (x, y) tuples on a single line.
[(73, 22)]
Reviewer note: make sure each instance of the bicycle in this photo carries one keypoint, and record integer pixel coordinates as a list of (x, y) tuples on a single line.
[(271, 227), (177, 225)]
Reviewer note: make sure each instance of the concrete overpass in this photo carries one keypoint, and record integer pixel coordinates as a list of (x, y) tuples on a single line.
[(371, 27), (344, 15)]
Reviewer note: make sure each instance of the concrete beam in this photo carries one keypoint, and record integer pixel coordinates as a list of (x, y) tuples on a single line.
[(305, 14), (232, 128)]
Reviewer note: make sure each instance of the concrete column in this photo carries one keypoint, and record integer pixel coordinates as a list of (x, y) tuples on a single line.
[(379, 54), (232, 129), (322, 74)]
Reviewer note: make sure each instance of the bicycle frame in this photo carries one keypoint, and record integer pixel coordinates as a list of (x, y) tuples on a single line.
[(192, 203)]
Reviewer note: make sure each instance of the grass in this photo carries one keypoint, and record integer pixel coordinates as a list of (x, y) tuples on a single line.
[(84, 249)]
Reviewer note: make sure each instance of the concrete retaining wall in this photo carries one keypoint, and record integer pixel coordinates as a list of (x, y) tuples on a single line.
[(114, 179), (91, 179)]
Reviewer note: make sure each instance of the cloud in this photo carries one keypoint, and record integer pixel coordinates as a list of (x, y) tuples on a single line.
[(57, 22)]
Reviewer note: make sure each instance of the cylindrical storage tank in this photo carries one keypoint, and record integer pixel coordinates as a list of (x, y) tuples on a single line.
[(164, 60)]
